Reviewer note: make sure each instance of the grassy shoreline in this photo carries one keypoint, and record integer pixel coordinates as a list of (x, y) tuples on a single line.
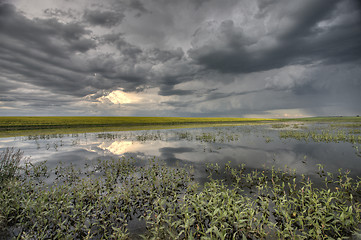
[(35, 122), (25, 123), (22, 126)]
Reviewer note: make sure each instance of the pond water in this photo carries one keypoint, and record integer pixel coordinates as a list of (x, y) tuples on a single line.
[(257, 146)]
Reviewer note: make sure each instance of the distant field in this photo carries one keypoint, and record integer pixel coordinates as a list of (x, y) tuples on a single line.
[(26, 123), (33, 123), (324, 119)]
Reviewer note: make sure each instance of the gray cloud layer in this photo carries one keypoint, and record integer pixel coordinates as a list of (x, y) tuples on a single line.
[(300, 41), (204, 57)]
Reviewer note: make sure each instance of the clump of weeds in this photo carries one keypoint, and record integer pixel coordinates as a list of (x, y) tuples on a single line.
[(260, 204), (324, 136), (83, 203), (9, 163)]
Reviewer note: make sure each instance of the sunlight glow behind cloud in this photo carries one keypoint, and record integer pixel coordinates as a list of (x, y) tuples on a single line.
[(119, 97)]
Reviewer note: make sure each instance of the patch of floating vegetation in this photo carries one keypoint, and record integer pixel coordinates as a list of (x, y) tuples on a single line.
[(347, 125), (210, 137), (149, 137), (202, 135), (324, 136), (279, 125), (100, 201), (335, 119), (354, 131), (358, 150)]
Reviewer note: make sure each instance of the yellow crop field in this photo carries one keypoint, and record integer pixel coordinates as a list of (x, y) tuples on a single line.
[(23, 123)]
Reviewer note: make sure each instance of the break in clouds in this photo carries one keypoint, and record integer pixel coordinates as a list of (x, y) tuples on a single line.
[(235, 58)]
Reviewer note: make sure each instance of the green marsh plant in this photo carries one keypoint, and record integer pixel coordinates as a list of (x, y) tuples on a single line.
[(9, 163), (324, 136), (100, 200)]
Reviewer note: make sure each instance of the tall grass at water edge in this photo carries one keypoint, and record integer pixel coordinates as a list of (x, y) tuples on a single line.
[(9, 163)]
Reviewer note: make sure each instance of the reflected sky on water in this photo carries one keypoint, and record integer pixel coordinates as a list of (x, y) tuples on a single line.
[(256, 146)]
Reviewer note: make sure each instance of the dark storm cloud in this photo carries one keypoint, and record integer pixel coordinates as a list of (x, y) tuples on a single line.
[(103, 18), (200, 56), (127, 48), (199, 3), (111, 38), (219, 95), (205, 97), (157, 55), (301, 40), (305, 17), (152, 55), (168, 90), (114, 70), (30, 100), (41, 52), (48, 36), (54, 12), (137, 5), (7, 86), (126, 64)]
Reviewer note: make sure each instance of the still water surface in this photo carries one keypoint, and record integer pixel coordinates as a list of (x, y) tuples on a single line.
[(257, 146)]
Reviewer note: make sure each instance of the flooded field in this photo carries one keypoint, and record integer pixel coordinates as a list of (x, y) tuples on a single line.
[(259, 164), (257, 146)]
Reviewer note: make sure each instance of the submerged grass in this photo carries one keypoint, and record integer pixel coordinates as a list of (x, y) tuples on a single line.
[(347, 125), (77, 130), (336, 119), (100, 200), (324, 136)]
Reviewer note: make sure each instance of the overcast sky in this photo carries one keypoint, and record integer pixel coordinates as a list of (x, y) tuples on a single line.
[(220, 58)]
